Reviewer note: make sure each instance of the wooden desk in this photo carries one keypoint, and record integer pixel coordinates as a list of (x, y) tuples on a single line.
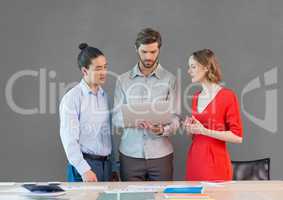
[(241, 190)]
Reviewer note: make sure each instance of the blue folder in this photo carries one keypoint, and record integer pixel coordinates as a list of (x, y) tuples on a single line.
[(186, 190)]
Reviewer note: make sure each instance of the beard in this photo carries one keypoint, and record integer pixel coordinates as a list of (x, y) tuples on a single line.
[(148, 63)]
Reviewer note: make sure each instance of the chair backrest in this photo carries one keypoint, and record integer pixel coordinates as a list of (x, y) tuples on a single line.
[(251, 170)]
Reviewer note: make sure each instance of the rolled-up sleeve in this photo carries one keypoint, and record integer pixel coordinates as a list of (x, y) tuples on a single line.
[(233, 116)]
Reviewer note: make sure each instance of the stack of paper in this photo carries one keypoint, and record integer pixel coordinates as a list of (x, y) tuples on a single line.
[(185, 192), (180, 196)]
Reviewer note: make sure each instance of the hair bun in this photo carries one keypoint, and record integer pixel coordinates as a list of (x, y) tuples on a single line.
[(82, 46)]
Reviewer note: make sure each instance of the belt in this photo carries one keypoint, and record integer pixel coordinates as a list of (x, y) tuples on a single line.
[(96, 157)]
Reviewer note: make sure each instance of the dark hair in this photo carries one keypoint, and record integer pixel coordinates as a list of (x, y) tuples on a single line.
[(87, 54), (148, 36), (207, 58)]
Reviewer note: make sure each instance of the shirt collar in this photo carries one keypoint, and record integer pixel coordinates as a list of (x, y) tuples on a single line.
[(86, 89), (136, 71)]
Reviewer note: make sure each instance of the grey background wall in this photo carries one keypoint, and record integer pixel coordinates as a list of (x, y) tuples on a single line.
[(247, 36)]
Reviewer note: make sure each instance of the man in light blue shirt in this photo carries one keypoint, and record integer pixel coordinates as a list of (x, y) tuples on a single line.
[(85, 127), (146, 152)]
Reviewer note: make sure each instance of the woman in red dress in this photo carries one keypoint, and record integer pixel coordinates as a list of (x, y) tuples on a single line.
[(215, 120)]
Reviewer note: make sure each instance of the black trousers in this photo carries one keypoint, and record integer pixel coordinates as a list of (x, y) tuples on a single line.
[(140, 169)]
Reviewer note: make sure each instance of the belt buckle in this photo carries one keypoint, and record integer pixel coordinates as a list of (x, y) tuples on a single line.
[(107, 157)]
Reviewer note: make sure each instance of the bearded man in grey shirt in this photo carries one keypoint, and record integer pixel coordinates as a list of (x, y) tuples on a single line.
[(146, 152)]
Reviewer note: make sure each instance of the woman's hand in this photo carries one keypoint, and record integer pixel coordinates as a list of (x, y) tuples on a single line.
[(193, 126)]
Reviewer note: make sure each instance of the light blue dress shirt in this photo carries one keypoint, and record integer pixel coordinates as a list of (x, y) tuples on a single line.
[(85, 125), (134, 87)]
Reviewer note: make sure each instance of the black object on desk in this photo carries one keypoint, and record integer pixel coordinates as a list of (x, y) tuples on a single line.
[(50, 188)]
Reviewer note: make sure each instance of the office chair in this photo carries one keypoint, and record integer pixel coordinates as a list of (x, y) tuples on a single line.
[(251, 170)]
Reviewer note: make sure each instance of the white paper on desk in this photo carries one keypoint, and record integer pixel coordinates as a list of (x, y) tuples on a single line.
[(145, 188), (138, 188), (83, 187), (49, 194), (216, 184), (183, 186)]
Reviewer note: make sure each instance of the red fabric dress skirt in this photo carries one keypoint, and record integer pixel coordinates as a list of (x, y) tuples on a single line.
[(208, 158)]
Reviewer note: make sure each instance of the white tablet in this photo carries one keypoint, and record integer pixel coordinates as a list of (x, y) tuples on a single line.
[(158, 112)]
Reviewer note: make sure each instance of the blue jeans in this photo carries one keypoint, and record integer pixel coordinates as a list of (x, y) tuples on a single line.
[(102, 170)]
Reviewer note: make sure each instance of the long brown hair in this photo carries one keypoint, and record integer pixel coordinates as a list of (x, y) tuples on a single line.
[(207, 58)]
